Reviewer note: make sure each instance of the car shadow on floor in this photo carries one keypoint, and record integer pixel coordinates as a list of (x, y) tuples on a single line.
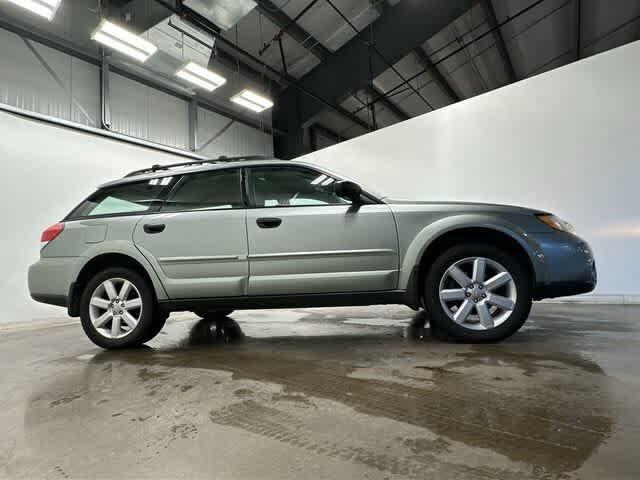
[(227, 331)]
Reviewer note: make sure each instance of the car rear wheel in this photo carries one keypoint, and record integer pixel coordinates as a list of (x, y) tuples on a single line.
[(117, 309), (478, 293)]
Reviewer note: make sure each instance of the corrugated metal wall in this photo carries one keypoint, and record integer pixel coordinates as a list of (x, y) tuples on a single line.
[(36, 78), (39, 79), (142, 112), (218, 135)]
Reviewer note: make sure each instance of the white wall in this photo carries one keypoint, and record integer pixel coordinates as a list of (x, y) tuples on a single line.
[(46, 171), (565, 141)]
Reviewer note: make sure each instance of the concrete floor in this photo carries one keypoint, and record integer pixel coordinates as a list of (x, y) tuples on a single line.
[(327, 393)]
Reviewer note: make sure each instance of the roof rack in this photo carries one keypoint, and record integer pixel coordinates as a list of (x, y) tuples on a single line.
[(221, 159)]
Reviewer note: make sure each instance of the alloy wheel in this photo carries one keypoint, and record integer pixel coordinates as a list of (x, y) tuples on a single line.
[(115, 308), (478, 293)]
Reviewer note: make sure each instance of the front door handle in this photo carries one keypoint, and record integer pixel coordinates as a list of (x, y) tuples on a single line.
[(269, 222), (154, 227)]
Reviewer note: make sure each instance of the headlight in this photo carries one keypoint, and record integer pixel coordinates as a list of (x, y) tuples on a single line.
[(555, 223)]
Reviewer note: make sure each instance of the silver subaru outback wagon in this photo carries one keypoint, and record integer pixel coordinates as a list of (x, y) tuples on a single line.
[(216, 236)]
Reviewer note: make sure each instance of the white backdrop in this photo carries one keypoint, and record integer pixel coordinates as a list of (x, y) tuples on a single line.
[(565, 141), (46, 171)]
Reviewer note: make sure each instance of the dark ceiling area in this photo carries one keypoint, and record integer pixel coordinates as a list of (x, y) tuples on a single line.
[(336, 69)]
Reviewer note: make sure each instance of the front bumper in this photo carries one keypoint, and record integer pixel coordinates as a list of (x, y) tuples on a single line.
[(570, 268)]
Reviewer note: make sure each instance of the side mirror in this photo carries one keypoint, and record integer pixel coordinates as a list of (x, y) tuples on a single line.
[(349, 190)]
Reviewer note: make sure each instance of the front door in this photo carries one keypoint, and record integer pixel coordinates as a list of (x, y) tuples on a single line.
[(304, 239), (198, 240)]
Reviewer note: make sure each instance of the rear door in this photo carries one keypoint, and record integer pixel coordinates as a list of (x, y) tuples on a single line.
[(304, 239), (198, 242)]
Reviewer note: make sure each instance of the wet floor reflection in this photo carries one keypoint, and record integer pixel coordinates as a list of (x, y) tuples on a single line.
[(212, 332), (550, 411)]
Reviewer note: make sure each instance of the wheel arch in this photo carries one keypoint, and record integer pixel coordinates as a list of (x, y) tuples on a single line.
[(429, 244), (109, 260)]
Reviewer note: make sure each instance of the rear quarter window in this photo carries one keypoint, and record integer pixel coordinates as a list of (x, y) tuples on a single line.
[(129, 198), (215, 190)]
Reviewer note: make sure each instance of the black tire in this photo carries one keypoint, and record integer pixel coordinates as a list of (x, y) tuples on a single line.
[(146, 322), (158, 324), (214, 314), (519, 274)]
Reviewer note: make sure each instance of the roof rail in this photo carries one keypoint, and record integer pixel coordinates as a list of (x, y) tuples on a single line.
[(221, 159)]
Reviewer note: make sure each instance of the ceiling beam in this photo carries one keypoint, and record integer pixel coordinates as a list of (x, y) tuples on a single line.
[(399, 113), (398, 31), (376, 93), (492, 20), (305, 39), (437, 76), (371, 45), (293, 29)]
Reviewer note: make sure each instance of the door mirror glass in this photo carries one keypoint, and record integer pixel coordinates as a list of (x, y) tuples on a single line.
[(349, 190)]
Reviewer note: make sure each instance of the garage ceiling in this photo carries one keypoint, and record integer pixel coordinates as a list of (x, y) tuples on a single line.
[(276, 46)]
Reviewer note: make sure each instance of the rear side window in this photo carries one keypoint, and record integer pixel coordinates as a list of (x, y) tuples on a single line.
[(129, 198), (218, 189)]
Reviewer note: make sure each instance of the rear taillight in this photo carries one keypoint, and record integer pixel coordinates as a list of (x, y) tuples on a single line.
[(50, 233)]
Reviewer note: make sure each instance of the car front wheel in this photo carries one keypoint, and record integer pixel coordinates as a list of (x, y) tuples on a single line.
[(478, 293), (117, 309)]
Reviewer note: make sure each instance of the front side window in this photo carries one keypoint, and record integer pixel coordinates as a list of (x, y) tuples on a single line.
[(134, 197), (285, 186), (213, 190)]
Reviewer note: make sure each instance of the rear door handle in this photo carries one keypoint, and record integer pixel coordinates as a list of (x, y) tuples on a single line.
[(154, 227), (269, 222)]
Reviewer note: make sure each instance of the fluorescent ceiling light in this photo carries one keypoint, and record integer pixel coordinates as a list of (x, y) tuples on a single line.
[(44, 8), (252, 101), (118, 38), (200, 76)]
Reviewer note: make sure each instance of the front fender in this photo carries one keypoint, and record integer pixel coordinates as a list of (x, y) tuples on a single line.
[(429, 234)]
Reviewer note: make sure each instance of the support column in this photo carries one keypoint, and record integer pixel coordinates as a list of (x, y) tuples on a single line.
[(193, 124), (105, 94)]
